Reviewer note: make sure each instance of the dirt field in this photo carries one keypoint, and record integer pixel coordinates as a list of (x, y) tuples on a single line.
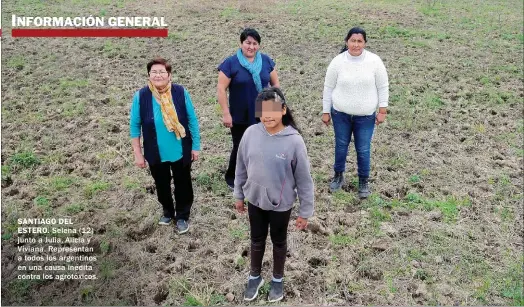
[(443, 226)]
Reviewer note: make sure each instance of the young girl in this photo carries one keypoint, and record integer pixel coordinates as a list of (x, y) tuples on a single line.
[(272, 167)]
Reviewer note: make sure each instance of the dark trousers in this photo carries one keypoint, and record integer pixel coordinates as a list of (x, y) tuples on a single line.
[(259, 220), (181, 175), (237, 131)]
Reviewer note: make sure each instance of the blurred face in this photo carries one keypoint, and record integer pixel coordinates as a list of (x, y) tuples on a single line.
[(159, 76), (356, 44), (271, 115), (249, 47)]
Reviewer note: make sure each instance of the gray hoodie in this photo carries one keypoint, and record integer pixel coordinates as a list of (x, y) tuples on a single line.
[(272, 169)]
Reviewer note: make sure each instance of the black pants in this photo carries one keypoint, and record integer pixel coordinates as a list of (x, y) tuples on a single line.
[(259, 220), (237, 131), (181, 175)]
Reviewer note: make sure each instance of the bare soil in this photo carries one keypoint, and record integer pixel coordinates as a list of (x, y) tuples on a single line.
[(443, 226)]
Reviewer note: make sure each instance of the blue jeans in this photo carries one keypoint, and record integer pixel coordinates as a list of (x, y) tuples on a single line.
[(362, 128)]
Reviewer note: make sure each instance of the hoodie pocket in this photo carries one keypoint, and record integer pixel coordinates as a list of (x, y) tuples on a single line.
[(257, 194)]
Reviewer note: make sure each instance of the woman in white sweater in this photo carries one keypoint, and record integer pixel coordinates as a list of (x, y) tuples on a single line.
[(356, 85)]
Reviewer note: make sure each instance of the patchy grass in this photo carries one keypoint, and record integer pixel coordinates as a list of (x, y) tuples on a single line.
[(239, 233), (17, 62), (445, 170), (192, 301), (73, 209), (93, 188), (342, 198), (341, 240), (19, 289), (229, 12), (23, 159), (106, 269), (414, 179), (378, 216), (68, 84), (60, 183)]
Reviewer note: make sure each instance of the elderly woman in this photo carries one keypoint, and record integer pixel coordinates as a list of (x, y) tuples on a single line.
[(165, 114), (245, 74), (356, 85)]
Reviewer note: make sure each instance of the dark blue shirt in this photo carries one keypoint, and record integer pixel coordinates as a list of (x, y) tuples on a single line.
[(242, 89)]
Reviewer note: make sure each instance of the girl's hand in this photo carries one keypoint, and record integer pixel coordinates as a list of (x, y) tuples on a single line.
[(240, 206), (301, 223)]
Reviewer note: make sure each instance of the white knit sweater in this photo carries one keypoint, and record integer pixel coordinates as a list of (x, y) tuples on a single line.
[(356, 85)]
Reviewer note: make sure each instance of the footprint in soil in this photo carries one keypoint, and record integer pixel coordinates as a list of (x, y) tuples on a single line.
[(351, 209), (315, 262), (7, 181), (316, 227), (143, 231), (171, 256), (402, 191), (12, 192), (371, 273), (150, 248), (388, 194), (161, 294), (193, 245)]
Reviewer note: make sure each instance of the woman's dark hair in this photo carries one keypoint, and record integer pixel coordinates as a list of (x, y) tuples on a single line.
[(249, 32), (355, 30), (275, 94), (160, 61)]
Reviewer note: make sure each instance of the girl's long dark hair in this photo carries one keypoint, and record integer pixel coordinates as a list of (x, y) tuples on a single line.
[(275, 94)]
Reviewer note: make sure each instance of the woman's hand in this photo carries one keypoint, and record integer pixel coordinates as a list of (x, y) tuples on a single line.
[(194, 155), (301, 222), (227, 120), (240, 206), (222, 86), (381, 117), (140, 161), (326, 118)]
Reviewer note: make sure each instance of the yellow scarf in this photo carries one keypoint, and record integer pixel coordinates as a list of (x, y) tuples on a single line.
[(164, 98)]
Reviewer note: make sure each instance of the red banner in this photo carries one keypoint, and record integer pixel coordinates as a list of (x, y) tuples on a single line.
[(89, 33)]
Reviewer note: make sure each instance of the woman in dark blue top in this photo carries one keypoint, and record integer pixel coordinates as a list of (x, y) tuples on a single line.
[(245, 74)]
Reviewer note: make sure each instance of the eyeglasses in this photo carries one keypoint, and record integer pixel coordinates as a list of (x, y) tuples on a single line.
[(160, 73)]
